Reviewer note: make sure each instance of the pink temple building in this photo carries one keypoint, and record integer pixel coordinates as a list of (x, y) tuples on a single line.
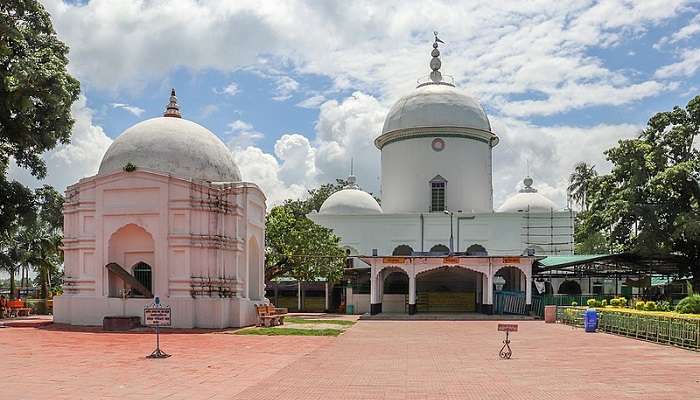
[(167, 215)]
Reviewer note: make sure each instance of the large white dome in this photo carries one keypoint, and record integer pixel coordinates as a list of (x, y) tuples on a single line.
[(436, 105), (172, 145), (350, 201), (527, 199)]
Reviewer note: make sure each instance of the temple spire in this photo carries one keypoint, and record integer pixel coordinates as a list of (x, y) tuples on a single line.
[(172, 110), (352, 179)]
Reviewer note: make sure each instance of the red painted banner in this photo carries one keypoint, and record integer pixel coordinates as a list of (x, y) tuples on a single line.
[(507, 327), (511, 260), (393, 260)]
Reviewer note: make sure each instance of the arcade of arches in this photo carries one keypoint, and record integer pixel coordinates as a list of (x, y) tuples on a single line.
[(445, 284)]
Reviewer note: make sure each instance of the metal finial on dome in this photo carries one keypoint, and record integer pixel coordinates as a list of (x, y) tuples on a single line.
[(435, 62), (352, 179), (172, 110), (527, 188)]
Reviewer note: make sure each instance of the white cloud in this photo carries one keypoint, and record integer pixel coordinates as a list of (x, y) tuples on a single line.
[(688, 64), (68, 163), (208, 110), (312, 102), (244, 134), (286, 86), (230, 90), (376, 47), (263, 169), (137, 111)]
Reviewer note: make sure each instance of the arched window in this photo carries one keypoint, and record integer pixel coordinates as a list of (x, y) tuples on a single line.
[(402, 250), (440, 248), (143, 274), (570, 288), (477, 250), (437, 194)]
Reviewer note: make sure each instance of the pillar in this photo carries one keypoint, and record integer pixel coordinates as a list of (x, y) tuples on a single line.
[(375, 306), (528, 287), (326, 291), (412, 294), (487, 307)]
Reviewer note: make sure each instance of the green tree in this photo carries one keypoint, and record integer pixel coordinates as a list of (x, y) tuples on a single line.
[(579, 181), (650, 201), (36, 93)]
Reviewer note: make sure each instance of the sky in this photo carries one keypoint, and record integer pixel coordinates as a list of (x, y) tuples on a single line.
[(296, 89)]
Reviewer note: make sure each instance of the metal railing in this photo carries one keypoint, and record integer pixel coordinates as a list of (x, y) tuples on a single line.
[(671, 330)]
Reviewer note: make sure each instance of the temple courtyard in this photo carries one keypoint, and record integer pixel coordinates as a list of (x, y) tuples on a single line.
[(371, 360)]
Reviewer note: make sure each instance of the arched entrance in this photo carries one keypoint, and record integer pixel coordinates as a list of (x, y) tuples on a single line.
[(509, 279), (132, 248), (394, 290), (569, 287), (440, 249), (510, 291), (447, 289), (477, 250), (402, 250)]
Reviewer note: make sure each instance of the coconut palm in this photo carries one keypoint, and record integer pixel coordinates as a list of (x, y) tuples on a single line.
[(579, 182)]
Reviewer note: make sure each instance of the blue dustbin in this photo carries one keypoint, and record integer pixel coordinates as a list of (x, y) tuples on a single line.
[(590, 320), (350, 309)]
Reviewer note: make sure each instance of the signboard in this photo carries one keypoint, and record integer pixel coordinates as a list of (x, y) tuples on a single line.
[(507, 327), (451, 260), (511, 260), (156, 316), (393, 260)]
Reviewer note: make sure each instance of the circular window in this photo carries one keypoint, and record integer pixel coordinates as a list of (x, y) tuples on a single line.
[(438, 144)]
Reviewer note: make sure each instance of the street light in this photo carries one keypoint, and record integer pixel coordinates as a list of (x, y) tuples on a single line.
[(451, 214)]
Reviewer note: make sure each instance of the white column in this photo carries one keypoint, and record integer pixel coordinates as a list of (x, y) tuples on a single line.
[(489, 288), (484, 287), (326, 297), (411, 288), (298, 296), (527, 270), (373, 286)]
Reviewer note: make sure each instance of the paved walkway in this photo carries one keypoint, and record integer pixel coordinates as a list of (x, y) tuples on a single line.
[(459, 360), (372, 360)]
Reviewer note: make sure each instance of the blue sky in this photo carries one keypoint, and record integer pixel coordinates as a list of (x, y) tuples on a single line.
[(298, 88)]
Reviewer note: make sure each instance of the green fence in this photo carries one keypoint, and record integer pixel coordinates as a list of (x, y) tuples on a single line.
[(673, 331), (538, 302)]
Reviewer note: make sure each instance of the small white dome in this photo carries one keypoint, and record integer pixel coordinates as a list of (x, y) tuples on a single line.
[(527, 199), (436, 105), (172, 145), (350, 201)]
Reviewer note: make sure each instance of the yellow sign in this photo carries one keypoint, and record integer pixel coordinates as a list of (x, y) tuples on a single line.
[(393, 260), (511, 260)]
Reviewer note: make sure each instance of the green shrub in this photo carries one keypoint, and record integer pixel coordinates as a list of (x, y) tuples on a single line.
[(650, 306), (639, 305), (604, 303), (663, 306), (689, 305), (622, 301), (592, 303), (574, 304), (615, 302)]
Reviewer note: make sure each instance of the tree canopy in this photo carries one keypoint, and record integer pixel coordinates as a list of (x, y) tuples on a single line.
[(650, 201), (297, 247), (37, 93)]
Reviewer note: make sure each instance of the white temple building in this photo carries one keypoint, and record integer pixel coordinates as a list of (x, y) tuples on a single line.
[(167, 215), (435, 243)]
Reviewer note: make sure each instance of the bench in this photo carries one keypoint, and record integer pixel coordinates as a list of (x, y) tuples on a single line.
[(18, 308), (269, 315)]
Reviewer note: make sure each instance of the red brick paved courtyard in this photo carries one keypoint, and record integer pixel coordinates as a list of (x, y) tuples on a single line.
[(373, 360)]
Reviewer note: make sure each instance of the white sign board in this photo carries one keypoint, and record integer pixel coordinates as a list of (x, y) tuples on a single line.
[(156, 316)]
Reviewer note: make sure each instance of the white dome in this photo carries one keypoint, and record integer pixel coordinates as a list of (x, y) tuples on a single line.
[(434, 105), (172, 145), (350, 201), (527, 199)]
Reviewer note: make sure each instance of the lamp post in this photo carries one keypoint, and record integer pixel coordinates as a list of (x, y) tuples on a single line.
[(451, 214)]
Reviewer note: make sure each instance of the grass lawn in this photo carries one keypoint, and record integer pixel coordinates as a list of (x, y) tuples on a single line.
[(296, 326), (297, 320), (282, 331)]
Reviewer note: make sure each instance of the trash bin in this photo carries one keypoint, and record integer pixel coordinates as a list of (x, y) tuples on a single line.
[(350, 309), (590, 320), (550, 314)]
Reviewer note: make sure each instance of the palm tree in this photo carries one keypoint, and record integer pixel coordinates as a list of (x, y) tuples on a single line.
[(579, 182), (40, 245), (10, 258)]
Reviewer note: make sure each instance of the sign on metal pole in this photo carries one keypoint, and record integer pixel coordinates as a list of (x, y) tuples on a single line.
[(157, 315), (506, 352)]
